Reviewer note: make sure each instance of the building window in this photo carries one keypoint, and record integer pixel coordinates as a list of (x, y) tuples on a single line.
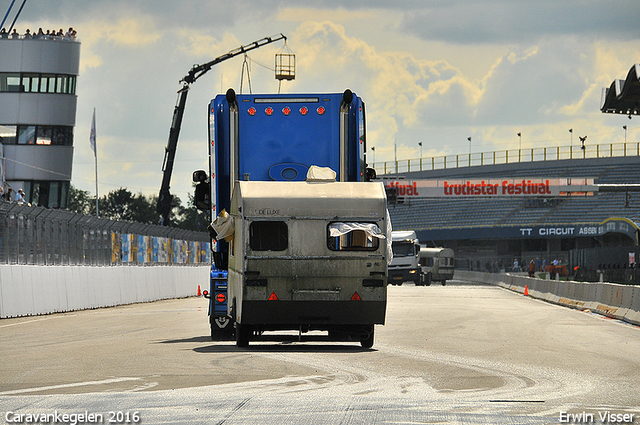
[(31, 83), (8, 134), (37, 83), (9, 82), (44, 135), (36, 134), (47, 194), (62, 135), (26, 134)]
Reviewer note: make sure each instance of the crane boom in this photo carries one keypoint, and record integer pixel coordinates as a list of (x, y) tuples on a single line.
[(165, 198)]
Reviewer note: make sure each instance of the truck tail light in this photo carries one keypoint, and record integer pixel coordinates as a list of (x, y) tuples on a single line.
[(221, 298), (286, 110), (269, 111), (273, 296), (356, 297), (321, 110)]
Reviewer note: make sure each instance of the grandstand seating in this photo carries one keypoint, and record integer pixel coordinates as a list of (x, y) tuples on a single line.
[(470, 212)]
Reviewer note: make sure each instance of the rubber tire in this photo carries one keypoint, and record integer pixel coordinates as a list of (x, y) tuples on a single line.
[(243, 333), (367, 342)]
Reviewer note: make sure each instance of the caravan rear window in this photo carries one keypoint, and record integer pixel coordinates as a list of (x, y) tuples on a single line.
[(353, 236), (268, 236)]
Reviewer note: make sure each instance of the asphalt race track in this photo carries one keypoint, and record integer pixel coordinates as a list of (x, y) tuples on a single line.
[(458, 354)]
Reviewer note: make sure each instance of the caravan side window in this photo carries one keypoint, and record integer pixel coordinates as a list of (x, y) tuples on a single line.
[(268, 236), (353, 236)]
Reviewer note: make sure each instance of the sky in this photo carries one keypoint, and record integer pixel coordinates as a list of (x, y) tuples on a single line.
[(435, 72)]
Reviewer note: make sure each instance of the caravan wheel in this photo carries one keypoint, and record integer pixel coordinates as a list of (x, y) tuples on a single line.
[(367, 342), (243, 333)]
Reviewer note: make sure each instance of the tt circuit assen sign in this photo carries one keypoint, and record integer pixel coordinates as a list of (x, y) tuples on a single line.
[(535, 187)]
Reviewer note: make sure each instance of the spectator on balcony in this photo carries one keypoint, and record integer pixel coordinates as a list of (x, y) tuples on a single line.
[(3, 33), (71, 33), (20, 196), (28, 35)]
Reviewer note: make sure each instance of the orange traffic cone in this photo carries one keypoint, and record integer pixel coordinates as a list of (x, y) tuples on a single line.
[(526, 291), (199, 294)]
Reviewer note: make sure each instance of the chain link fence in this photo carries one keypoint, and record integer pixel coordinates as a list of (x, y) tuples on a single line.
[(41, 236)]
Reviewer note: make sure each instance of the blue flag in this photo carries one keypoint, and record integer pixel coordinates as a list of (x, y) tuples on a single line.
[(92, 137)]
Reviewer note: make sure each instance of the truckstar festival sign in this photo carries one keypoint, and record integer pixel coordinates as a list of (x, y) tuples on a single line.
[(522, 187)]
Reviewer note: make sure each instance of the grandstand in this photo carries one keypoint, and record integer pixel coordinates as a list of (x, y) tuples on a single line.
[(485, 230)]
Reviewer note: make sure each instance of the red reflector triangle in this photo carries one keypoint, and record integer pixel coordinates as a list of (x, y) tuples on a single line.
[(273, 296), (356, 297)]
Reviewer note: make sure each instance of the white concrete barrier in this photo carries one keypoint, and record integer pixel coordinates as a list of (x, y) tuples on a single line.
[(27, 290), (633, 315), (609, 299)]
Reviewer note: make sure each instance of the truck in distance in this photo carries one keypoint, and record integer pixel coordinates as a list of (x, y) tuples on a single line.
[(437, 264), (404, 266)]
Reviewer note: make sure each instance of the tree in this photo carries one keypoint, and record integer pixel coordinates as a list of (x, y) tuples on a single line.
[(121, 204), (80, 201), (191, 218)]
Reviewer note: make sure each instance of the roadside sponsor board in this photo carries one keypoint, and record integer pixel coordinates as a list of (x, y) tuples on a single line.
[(521, 187)]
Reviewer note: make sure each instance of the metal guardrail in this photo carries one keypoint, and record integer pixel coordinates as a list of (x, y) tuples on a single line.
[(42, 236), (508, 156)]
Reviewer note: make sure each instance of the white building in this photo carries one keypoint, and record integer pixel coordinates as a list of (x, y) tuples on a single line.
[(37, 116)]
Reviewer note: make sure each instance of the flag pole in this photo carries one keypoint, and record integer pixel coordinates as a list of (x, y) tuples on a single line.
[(97, 213), (92, 139)]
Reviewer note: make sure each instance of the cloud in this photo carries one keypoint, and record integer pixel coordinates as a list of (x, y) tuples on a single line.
[(435, 72), (507, 21)]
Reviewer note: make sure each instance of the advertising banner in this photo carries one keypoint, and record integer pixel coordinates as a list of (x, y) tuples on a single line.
[(520, 187)]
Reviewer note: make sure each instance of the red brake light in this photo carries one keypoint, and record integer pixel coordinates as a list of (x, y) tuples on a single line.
[(321, 110), (286, 110), (269, 111), (221, 298), (304, 110), (251, 111)]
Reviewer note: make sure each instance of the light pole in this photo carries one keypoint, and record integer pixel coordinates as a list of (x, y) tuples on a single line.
[(583, 147), (625, 133), (420, 144), (373, 149), (469, 139), (571, 131), (520, 147), (520, 143)]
